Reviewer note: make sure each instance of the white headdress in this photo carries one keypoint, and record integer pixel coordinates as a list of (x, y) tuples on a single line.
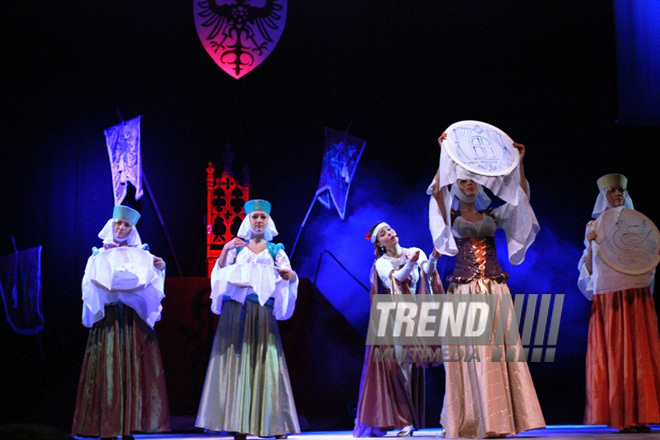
[(374, 235), (245, 231), (108, 236), (604, 183)]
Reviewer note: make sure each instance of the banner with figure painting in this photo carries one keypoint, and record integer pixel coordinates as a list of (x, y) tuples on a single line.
[(340, 159), (123, 142)]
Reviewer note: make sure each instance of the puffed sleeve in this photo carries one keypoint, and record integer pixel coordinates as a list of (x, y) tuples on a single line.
[(384, 268), (440, 227), (285, 300), (520, 225), (217, 290), (585, 279)]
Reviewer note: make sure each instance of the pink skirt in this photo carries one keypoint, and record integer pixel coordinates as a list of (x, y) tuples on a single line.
[(485, 398)]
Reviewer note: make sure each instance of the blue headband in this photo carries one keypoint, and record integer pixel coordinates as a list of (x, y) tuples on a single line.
[(126, 213), (257, 205)]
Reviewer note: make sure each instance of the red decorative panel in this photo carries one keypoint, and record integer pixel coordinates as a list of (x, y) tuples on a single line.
[(225, 198)]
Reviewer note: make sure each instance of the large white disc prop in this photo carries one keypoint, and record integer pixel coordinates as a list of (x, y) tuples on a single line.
[(630, 241), (481, 148)]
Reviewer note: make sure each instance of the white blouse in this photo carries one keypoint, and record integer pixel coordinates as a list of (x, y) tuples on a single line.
[(485, 227), (122, 274), (385, 265), (518, 222), (247, 273)]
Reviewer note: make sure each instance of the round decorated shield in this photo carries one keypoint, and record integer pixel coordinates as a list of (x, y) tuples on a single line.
[(481, 148), (629, 241)]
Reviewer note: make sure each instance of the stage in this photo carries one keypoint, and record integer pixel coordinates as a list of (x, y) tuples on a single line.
[(557, 432)]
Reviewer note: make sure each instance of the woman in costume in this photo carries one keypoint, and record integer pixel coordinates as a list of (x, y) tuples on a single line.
[(623, 347), (247, 388), (122, 383), (392, 392), (485, 397)]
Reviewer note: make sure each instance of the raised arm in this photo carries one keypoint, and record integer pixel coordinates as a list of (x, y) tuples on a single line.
[(231, 244), (429, 267), (523, 180), (437, 192)]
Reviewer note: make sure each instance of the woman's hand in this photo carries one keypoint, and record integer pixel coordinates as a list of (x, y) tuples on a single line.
[(234, 243), (436, 253), (414, 257), (443, 137), (590, 234), (159, 263), (521, 150), (231, 244), (287, 274)]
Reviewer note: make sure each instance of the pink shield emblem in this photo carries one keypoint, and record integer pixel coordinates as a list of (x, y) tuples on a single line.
[(239, 34)]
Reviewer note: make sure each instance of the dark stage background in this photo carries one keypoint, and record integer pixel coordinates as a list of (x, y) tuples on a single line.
[(397, 72)]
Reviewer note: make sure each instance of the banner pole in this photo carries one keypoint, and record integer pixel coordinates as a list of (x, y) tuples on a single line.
[(161, 222), (295, 243)]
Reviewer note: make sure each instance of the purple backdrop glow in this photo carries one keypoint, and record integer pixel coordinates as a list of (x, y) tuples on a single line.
[(550, 266)]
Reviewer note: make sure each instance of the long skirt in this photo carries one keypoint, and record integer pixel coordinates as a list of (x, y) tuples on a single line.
[(247, 387), (623, 360), (485, 398), (391, 396), (122, 383)]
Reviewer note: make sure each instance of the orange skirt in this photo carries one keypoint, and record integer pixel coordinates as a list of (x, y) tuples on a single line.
[(623, 360)]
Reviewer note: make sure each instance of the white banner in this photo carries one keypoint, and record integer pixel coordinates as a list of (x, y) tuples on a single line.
[(123, 143)]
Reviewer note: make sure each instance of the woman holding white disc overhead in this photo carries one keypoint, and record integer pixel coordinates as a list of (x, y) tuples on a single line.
[(617, 271), (494, 395)]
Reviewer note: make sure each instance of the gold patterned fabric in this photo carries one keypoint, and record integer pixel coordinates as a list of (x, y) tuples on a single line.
[(122, 383), (484, 398)]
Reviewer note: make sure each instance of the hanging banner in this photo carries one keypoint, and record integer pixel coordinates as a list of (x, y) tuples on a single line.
[(20, 288), (239, 34), (123, 143), (340, 160)]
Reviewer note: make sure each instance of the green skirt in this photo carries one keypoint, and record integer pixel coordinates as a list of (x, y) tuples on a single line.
[(247, 387)]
